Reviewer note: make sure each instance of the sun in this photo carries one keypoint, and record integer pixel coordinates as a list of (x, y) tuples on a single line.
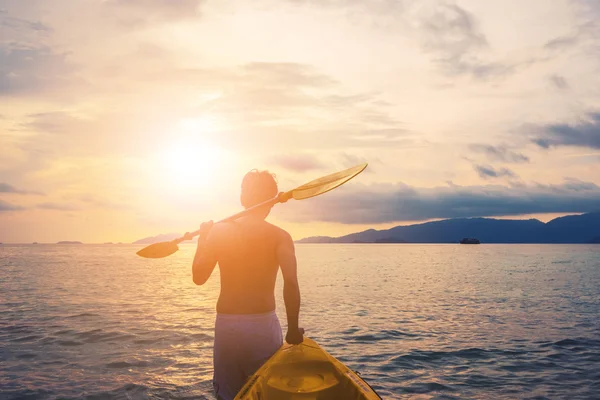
[(191, 159), (192, 164)]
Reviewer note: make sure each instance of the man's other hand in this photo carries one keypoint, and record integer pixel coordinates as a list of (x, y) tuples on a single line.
[(295, 336)]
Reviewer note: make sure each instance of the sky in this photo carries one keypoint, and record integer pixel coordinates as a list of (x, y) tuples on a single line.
[(121, 119)]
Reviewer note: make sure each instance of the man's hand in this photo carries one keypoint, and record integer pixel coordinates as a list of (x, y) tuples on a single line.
[(295, 336), (205, 228)]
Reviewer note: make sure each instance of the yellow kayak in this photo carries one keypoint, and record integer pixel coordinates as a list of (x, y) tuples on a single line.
[(305, 372)]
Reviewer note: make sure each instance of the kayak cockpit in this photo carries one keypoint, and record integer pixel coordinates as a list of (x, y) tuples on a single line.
[(305, 372)]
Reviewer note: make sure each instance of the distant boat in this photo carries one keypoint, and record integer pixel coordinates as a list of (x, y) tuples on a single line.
[(35, 243), (470, 241)]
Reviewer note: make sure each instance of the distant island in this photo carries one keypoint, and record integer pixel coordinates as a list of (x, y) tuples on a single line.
[(68, 242), (469, 241), (584, 229), (163, 237)]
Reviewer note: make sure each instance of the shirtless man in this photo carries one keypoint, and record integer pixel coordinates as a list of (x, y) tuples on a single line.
[(249, 252)]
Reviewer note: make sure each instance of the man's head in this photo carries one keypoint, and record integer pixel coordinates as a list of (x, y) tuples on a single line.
[(258, 186)]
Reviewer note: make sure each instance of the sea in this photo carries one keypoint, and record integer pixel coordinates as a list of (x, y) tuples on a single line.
[(416, 321)]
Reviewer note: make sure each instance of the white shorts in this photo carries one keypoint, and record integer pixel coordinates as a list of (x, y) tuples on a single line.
[(242, 344)]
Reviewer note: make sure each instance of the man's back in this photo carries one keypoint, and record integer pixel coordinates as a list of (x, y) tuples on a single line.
[(249, 252), (247, 256)]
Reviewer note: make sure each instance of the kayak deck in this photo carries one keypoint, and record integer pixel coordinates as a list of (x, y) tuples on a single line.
[(305, 372)]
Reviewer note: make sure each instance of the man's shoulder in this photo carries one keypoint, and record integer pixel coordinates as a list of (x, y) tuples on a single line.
[(226, 228), (280, 232)]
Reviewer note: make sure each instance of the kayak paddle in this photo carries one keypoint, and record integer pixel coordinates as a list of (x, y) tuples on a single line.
[(310, 189)]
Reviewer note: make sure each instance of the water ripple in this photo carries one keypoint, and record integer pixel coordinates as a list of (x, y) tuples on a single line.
[(424, 322)]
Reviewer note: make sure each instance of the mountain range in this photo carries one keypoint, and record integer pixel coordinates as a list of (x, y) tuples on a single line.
[(584, 228)]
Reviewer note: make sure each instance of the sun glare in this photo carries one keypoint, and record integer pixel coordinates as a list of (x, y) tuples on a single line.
[(191, 160), (202, 125), (192, 165)]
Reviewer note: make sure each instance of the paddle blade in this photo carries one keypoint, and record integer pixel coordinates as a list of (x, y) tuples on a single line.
[(158, 250), (326, 183)]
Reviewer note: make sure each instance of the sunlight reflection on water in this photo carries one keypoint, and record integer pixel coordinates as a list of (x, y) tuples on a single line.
[(457, 321)]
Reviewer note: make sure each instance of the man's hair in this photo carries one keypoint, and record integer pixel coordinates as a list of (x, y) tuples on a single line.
[(258, 186)]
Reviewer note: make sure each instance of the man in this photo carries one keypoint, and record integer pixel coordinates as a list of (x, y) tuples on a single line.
[(249, 252)]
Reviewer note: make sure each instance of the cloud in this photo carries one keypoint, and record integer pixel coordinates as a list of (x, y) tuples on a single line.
[(4, 206), (21, 25), (51, 122), (583, 133), (33, 70), (139, 13), (266, 106), (584, 34), (352, 160), (559, 82), (451, 34), (499, 153), (384, 203), (57, 206), (487, 171), (103, 203), (446, 31), (298, 162), (6, 188), (561, 43)]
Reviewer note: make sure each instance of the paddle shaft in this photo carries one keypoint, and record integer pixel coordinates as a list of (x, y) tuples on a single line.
[(280, 198)]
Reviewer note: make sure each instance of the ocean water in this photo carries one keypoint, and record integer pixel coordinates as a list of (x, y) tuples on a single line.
[(417, 321)]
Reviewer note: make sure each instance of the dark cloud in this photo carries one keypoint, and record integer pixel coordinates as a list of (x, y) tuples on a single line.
[(487, 171), (33, 70), (559, 82), (448, 32), (298, 162), (4, 206), (584, 133), (584, 34), (499, 153), (6, 188), (360, 204), (21, 25), (562, 42), (57, 206), (51, 122), (451, 35)]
